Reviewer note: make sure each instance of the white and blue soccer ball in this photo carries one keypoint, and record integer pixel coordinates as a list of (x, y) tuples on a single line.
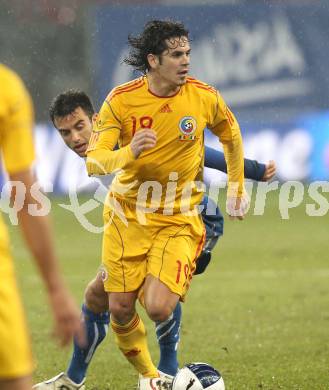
[(198, 376)]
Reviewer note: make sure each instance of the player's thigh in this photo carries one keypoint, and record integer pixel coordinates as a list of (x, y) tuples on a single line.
[(15, 351), (124, 253), (173, 254)]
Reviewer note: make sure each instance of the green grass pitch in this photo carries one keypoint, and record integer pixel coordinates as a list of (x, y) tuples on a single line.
[(260, 313)]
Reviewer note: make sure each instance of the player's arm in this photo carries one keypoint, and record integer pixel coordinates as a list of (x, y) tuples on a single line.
[(38, 236), (102, 159), (18, 155), (223, 124), (253, 169)]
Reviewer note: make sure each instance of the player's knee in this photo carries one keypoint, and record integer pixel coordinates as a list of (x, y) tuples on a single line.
[(121, 312), (159, 312), (160, 302)]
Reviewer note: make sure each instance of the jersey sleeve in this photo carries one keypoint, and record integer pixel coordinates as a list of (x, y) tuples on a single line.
[(101, 158), (223, 124), (254, 170), (17, 124)]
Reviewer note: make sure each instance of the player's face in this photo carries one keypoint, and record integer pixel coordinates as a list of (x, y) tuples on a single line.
[(75, 129), (175, 61)]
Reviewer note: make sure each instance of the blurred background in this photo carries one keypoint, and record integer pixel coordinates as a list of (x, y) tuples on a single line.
[(269, 59)]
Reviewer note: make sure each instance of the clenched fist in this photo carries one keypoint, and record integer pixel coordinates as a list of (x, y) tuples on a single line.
[(144, 139)]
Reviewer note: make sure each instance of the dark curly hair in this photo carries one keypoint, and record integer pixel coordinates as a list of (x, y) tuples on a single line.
[(66, 102), (152, 41)]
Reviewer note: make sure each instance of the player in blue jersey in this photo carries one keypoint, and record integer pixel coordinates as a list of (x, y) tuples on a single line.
[(72, 114)]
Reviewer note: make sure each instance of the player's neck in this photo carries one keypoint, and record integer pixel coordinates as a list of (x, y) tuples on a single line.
[(160, 87)]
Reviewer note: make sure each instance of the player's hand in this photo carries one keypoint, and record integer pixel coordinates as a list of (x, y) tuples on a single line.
[(270, 170), (67, 318), (143, 139), (237, 207)]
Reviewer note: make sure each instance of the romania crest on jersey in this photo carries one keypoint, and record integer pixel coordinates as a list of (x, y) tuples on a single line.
[(187, 127)]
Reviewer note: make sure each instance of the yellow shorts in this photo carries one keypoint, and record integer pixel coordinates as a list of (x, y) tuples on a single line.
[(15, 351), (165, 247)]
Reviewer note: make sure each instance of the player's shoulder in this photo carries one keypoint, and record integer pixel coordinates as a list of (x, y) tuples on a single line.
[(126, 88), (13, 95), (6, 73), (9, 78), (200, 86)]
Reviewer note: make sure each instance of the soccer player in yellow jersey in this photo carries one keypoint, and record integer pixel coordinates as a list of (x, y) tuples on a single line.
[(72, 114), (16, 147), (152, 238)]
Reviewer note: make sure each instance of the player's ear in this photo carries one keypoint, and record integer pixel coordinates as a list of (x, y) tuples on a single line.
[(153, 60), (94, 117)]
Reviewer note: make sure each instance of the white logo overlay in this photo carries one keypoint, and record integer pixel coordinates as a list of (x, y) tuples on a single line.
[(101, 196), (291, 194)]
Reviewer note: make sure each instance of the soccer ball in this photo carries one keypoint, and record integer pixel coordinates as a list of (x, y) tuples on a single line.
[(198, 376)]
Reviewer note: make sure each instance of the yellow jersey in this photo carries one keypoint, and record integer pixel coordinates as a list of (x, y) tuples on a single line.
[(175, 164), (16, 121)]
